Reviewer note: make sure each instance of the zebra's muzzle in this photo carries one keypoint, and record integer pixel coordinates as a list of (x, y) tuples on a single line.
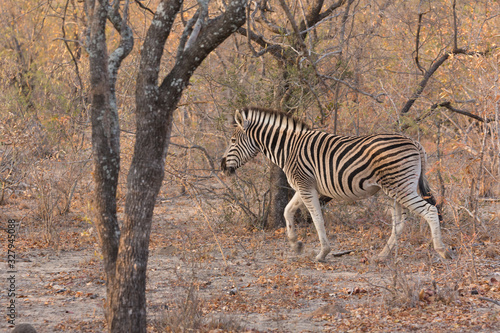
[(227, 170)]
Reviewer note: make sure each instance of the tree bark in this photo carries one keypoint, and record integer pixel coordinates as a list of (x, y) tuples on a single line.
[(106, 129), (153, 125), (278, 192)]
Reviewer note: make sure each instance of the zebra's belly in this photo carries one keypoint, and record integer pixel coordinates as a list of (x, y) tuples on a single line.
[(350, 196)]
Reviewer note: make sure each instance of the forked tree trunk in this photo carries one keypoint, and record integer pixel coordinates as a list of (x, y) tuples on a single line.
[(126, 251)]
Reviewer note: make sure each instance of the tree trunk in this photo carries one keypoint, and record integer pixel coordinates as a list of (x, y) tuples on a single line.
[(143, 184), (153, 127), (278, 190), (105, 135)]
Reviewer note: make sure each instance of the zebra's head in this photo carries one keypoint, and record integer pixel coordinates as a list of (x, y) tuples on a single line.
[(242, 147)]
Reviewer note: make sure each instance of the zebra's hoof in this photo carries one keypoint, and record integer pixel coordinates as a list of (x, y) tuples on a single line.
[(298, 247), (379, 258), (444, 253), (322, 255), (320, 258), (382, 256)]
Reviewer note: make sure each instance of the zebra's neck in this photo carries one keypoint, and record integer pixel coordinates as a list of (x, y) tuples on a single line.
[(275, 134)]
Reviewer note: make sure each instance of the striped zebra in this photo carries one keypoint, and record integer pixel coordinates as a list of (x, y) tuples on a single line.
[(321, 165)]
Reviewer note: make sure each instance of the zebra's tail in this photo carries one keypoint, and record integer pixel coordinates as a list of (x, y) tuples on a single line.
[(423, 184)]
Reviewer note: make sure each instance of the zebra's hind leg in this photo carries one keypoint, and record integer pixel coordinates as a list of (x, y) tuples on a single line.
[(419, 206), (290, 210), (398, 223)]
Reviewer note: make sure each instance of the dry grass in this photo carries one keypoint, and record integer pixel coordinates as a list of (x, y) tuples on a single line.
[(187, 316)]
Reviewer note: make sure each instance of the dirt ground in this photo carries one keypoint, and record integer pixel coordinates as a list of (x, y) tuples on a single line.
[(219, 276)]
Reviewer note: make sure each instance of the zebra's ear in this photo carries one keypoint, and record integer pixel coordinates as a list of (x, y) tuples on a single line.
[(240, 121)]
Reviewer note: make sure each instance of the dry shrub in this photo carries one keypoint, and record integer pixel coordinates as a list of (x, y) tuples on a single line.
[(223, 324), (247, 196), (403, 291), (55, 181), (446, 294), (187, 316), (11, 175), (410, 291)]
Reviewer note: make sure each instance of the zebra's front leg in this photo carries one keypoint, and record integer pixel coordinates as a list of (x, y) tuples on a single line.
[(311, 201), (290, 210), (398, 223)]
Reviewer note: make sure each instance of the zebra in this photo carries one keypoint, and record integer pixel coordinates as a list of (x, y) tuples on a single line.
[(319, 165)]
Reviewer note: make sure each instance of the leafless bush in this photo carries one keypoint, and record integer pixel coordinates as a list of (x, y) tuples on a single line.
[(407, 290), (187, 316), (47, 202), (198, 143), (403, 291), (55, 181), (247, 196), (223, 323), (11, 175)]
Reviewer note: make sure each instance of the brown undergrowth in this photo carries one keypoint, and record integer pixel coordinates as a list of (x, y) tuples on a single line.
[(209, 273)]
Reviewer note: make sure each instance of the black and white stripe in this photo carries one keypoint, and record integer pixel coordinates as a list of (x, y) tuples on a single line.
[(318, 164)]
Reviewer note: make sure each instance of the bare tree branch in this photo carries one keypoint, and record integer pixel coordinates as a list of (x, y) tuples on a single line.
[(417, 43), (448, 106), (185, 34), (329, 10), (347, 84), (249, 43), (275, 49), (435, 66), (266, 22), (455, 29), (423, 83), (126, 42), (139, 3), (311, 17), (295, 28), (199, 22), (494, 301), (73, 58), (314, 26)]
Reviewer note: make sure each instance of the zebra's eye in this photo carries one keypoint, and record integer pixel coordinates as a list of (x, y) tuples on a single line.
[(233, 140)]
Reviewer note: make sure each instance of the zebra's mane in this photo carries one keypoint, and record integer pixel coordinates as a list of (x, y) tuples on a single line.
[(276, 113)]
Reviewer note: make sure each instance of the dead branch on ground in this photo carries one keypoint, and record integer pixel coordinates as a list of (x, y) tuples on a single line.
[(494, 301)]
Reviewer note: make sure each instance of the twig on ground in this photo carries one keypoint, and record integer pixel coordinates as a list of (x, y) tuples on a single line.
[(342, 253), (494, 301)]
